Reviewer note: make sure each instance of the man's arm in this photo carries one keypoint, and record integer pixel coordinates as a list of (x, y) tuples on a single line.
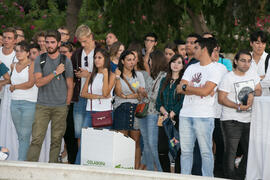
[(206, 90), (223, 100), (41, 81), (70, 88)]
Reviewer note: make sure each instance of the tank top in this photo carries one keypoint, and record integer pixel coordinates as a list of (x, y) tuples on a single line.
[(23, 94)]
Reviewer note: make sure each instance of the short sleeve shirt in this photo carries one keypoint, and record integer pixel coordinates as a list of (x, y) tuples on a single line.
[(55, 92), (135, 83), (228, 85), (197, 76)]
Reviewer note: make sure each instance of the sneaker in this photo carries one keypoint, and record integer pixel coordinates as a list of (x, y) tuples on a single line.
[(3, 155)]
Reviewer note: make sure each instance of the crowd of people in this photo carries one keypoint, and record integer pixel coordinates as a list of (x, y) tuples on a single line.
[(206, 96)]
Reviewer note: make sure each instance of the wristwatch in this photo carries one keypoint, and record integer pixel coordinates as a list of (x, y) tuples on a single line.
[(184, 87)]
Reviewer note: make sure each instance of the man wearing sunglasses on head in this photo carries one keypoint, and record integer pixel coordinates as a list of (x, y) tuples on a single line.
[(82, 60)]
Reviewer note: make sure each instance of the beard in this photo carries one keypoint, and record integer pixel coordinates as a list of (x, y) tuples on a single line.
[(51, 50)]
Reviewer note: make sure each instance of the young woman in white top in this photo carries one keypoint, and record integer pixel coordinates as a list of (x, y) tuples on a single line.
[(98, 87), (23, 97)]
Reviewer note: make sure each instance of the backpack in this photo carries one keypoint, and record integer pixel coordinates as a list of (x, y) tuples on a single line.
[(266, 62), (43, 59)]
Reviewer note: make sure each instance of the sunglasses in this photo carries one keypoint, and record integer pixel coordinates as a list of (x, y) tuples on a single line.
[(86, 61)]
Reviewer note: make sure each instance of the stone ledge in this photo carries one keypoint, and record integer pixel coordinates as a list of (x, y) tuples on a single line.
[(15, 170)]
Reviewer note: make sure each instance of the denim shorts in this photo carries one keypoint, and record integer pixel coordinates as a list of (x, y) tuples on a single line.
[(124, 116)]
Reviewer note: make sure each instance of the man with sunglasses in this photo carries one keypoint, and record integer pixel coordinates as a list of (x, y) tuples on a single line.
[(82, 60), (20, 34), (236, 93), (64, 34), (150, 42)]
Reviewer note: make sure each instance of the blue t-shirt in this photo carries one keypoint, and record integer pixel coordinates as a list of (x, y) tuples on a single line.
[(113, 67), (226, 62), (3, 69)]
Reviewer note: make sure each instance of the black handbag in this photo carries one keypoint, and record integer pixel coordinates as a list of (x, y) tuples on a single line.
[(173, 137)]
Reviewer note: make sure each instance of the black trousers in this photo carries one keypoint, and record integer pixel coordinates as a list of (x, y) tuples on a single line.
[(69, 137), (163, 150), (218, 139), (235, 132)]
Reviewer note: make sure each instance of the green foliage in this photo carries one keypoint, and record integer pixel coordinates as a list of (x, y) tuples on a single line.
[(230, 20), (12, 14)]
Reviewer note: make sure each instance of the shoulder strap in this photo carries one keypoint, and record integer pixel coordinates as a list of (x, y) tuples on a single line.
[(12, 69), (129, 86), (13, 59), (91, 98), (43, 59), (156, 83), (63, 61), (266, 62)]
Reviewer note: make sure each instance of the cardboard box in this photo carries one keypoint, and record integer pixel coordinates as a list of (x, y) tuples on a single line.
[(107, 148)]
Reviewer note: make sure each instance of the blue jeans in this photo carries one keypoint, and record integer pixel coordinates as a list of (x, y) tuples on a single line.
[(86, 123), (149, 132), (201, 128), (23, 114), (79, 111)]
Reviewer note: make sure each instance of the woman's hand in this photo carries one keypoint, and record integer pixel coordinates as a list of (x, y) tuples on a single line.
[(117, 72), (142, 92), (172, 114), (12, 88)]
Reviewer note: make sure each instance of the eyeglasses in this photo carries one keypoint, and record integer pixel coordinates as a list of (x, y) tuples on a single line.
[(20, 35), (245, 60), (150, 40), (63, 52), (62, 33), (86, 61), (21, 51)]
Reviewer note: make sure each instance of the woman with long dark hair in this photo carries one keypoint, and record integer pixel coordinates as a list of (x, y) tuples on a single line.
[(148, 125), (169, 104), (96, 88), (128, 83)]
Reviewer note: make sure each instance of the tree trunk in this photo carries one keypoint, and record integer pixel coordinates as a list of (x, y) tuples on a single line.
[(73, 9), (198, 22)]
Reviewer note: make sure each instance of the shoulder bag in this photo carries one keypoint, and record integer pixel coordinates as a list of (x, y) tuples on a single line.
[(101, 119)]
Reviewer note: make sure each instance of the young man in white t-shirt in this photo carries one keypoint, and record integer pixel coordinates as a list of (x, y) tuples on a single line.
[(197, 114), (236, 93), (7, 54)]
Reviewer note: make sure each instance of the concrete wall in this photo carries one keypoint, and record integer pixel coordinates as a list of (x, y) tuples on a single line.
[(15, 170)]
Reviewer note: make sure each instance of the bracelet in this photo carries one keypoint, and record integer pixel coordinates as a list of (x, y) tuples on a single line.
[(165, 114), (54, 73), (117, 77)]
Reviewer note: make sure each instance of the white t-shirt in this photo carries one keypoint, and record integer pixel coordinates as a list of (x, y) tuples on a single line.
[(7, 60), (260, 70), (223, 70), (98, 104), (197, 76), (228, 84), (90, 60), (23, 94)]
